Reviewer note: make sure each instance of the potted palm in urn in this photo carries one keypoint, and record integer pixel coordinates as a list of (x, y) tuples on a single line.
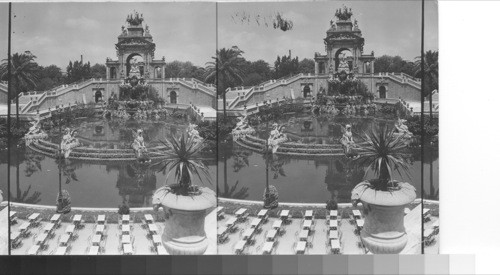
[(185, 205), (383, 198)]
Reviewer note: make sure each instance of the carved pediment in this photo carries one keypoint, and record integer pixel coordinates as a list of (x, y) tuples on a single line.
[(343, 36), (134, 42)]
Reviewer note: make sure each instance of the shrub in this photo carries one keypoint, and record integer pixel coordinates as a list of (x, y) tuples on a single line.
[(430, 129), (123, 209), (331, 205)]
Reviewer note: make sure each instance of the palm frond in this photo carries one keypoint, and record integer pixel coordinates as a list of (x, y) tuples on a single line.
[(383, 152), (183, 161)]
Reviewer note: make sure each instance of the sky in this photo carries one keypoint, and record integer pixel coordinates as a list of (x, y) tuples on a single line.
[(59, 32), (389, 27)]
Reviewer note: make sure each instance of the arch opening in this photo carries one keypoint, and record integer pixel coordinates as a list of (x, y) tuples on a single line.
[(135, 63), (382, 90), (173, 97), (344, 60)]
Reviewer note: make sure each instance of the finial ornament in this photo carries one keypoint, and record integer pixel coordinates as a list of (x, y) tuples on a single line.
[(343, 13), (135, 19)]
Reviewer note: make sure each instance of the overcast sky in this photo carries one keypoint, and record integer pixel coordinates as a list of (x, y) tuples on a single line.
[(59, 32), (389, 27)]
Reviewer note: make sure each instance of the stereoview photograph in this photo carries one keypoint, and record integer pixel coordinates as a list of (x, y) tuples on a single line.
[(320, 138), (113, 147)]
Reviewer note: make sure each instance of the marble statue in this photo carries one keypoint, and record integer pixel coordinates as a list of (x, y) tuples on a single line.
[(242, 128), (140, 147), (68, 142), (276, 137), (34, 132), (401, 127), (347, 141), (403, 131), (343, 65), (193, 133), (134, 69)]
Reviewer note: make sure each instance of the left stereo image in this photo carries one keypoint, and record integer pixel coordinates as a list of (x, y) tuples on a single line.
[(111, 109)]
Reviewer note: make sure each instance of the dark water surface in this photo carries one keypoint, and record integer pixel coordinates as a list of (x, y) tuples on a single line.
[(35, 177), (312, 180)]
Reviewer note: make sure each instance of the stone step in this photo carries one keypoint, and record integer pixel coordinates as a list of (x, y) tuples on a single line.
[(291, 150)]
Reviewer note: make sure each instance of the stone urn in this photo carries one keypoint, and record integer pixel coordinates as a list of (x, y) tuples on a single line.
[(184, 232), (384, 231)]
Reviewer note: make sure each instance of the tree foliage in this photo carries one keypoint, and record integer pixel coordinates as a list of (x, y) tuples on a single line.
[(431, 70), (393, 64), (225, 70), (286, 66), (50, 77), (183, 70), (77, 71), (24, 74)]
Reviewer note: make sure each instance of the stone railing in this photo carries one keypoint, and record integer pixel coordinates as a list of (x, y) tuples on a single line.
[(195, 111), (57, 91), (266, 86)]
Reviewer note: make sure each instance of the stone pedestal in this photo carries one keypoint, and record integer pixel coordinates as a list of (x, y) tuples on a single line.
[(383, 231), (184, 232)]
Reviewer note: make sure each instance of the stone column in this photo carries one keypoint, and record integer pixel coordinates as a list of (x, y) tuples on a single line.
[(163, 72), (107, 73), (372, 67), (316, 67)]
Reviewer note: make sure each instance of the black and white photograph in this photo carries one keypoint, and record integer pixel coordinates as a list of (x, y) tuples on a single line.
[(320, 138), (112, 127), (233, 128)]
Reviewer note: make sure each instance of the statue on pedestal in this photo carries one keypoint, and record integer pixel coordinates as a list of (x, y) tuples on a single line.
[(276, 137), (343, 64), (242, 128), (193, 133), (134, 69), (402, 130), (140, 147), (347, 141), (68, 142), (34, 132)]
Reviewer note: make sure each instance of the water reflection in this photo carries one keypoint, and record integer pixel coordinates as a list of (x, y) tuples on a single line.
[(136, 184), (38, 179), (321, 129), (24, 196), (311, 180)]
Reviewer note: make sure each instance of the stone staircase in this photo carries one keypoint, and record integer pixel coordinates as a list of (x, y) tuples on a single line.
[(293, 149), (84, 153), (33, 100), (238, 96)]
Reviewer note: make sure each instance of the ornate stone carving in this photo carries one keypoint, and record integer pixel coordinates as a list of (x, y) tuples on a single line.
[(242, 128), (68, 142)]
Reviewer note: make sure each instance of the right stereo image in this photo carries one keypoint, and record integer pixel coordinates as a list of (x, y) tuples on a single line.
[(328, 119)]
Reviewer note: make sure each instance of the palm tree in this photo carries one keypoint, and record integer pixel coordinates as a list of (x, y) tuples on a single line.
[(430, 73), (225, 71), (183, 159), (24, 74)]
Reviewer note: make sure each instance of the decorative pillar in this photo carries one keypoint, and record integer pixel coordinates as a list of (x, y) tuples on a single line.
[(316, 67), (372, 67), (107, 73)]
